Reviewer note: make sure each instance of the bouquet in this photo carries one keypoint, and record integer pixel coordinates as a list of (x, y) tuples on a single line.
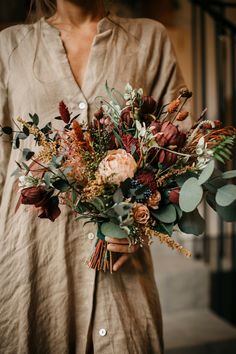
[(132, 171)]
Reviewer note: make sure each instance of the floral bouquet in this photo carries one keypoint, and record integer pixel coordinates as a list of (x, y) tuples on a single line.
[(131, 171)]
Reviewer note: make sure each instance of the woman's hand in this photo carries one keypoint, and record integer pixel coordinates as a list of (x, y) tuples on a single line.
[(121, 246)]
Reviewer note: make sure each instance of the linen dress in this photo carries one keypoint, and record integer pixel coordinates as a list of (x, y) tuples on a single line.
[(50, 301)]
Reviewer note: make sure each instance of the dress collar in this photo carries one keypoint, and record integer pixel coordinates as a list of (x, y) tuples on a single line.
[(107, 23)]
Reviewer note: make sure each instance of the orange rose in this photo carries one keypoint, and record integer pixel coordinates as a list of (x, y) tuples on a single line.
[(141, 213), (154, 201)]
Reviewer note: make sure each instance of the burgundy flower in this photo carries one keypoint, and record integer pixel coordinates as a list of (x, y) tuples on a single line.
[(156, 127), (168, 136), (99, 114), (149, 105), (129, 141), (50, 209), (33, 195), (126, 116), (147, 178), (174, 195), (42, 199), (64, 112)]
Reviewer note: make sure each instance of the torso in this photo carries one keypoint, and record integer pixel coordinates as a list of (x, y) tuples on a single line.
[(77, 43)]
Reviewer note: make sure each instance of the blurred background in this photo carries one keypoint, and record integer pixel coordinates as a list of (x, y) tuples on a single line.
[(198, 296)]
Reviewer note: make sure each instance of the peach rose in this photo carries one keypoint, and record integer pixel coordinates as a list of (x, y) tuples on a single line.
[(117, 166), (141, 213), (154, 201)]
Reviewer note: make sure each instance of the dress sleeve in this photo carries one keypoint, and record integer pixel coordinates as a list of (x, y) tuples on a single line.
[(168, 79), (5, 143)]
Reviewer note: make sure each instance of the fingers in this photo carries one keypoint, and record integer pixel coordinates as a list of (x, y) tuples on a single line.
[(119, 248), (123, 241), (120, 262)]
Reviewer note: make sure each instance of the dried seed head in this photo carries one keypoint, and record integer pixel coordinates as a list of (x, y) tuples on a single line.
[(182, 116), (173, 106)]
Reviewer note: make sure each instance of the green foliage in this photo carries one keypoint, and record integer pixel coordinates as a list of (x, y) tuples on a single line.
[(27, 154), (192, 223), (223, 151), (110, 229), (7, 130), (191, 195), (166, 214), (61, 185), (226, 195), (206, 173)]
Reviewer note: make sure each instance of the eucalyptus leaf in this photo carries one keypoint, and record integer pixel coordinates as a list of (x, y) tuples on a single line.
[(166, 214), (35, 118), (112, 230), (122, 209), (226, 195), (98, 204), (118, 196), (61, 185), (227, 213), (27, 154), (207, 172), (47, 178), (192, 223), (7, 130), (190, 195), (164, 228), (229, 174)]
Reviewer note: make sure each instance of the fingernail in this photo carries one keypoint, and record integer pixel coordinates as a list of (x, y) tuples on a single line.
[(107, 239)]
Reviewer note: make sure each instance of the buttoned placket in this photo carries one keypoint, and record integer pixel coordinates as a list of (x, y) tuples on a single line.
[(79, 104)]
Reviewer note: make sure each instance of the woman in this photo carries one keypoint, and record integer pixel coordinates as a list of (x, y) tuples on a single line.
[(50, 301)]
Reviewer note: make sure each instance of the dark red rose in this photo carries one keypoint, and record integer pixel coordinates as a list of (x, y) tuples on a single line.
[(50, 210), (33, 195), (64, 112), (174, 195), (149, 105)]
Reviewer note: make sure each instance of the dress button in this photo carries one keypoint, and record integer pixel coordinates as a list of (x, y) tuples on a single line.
[(82, 105), (91, 236), (102, 332)]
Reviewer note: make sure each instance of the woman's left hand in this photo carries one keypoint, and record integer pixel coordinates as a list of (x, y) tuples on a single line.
[(121, 246)]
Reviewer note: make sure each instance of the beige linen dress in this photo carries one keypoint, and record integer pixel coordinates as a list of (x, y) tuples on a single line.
[(50, 301)]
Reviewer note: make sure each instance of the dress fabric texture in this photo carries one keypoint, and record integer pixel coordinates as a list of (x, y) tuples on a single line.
[(50, 301)]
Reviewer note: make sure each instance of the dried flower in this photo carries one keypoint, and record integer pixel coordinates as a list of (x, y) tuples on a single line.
[(64, 112), (184, 92), (172, 107), (141, 213), (154, 201), (117, 166), (182, 116)]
